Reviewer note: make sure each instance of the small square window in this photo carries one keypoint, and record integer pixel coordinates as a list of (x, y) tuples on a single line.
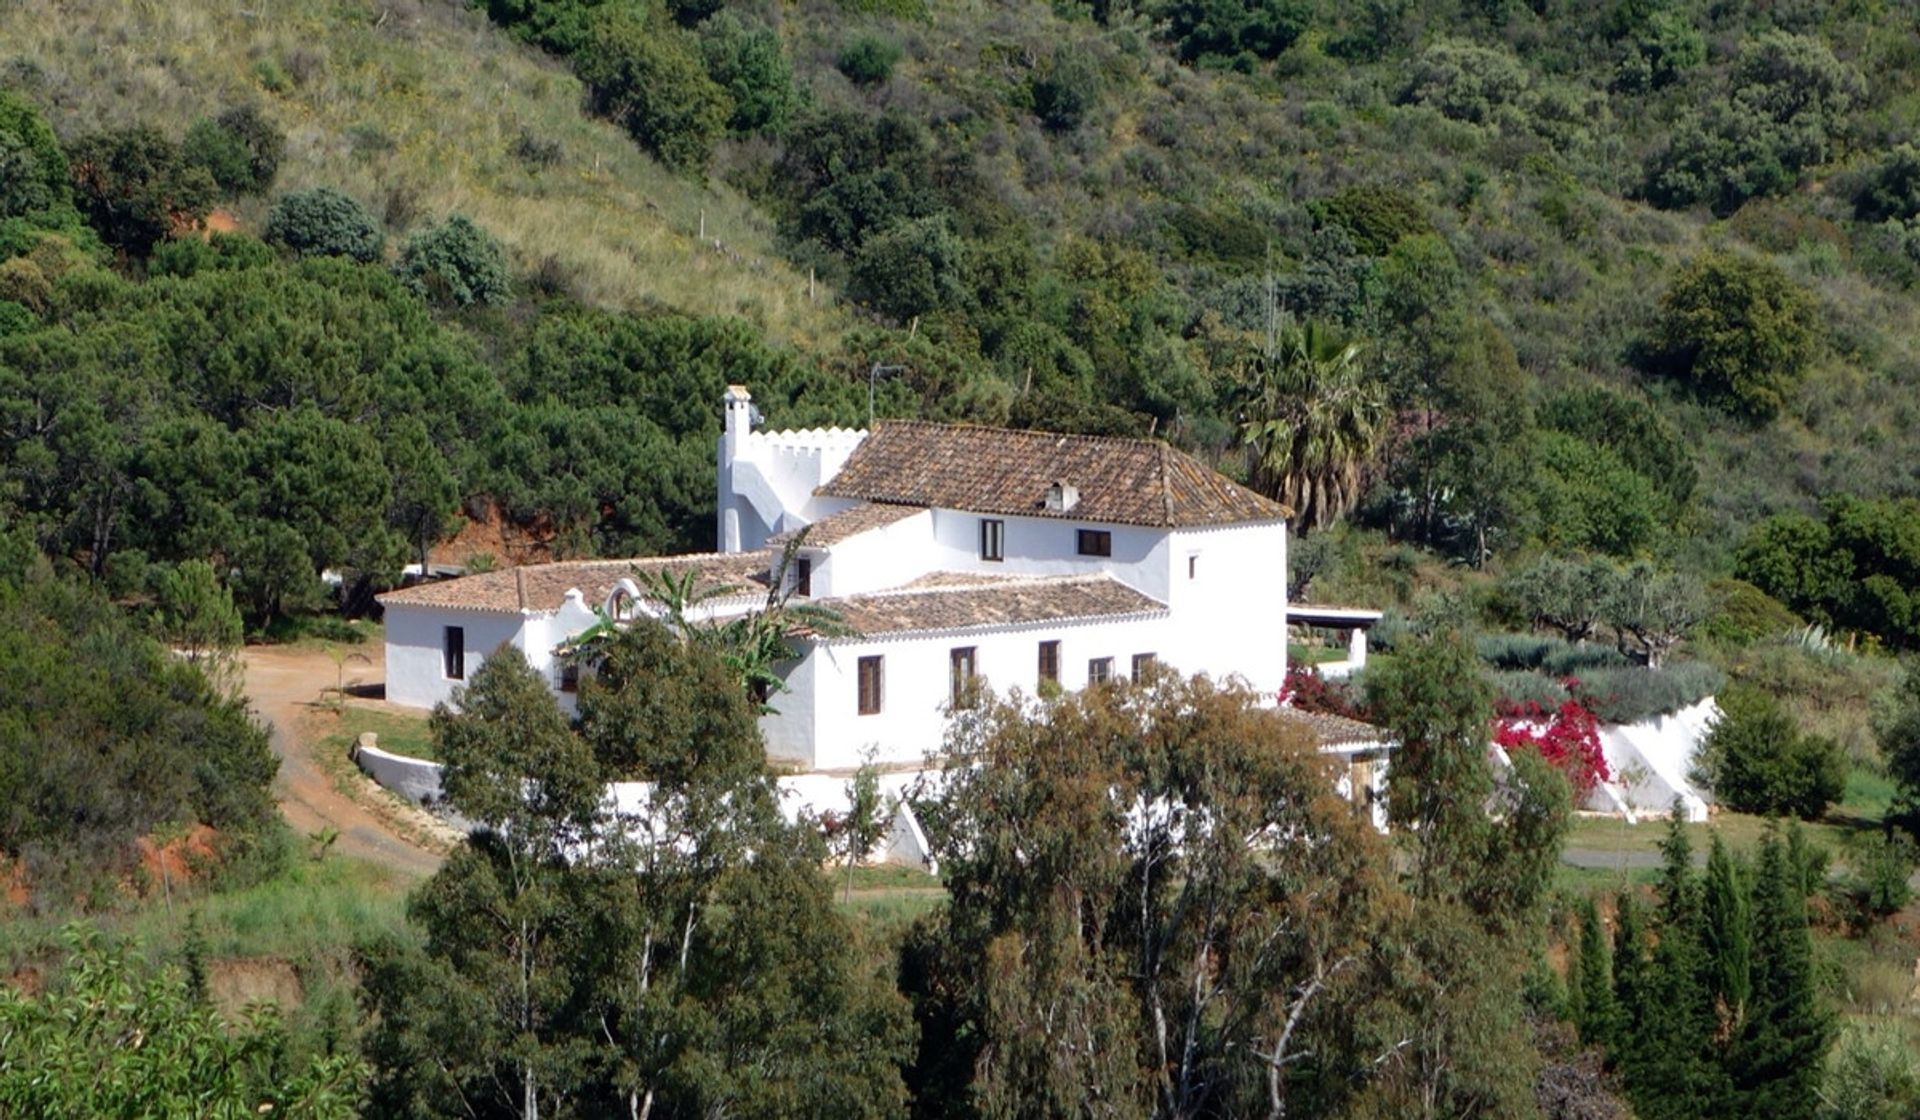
[(1142, 664), (869, 673), (1100, 670), (1096, 542), (453, 652), (993, 539)]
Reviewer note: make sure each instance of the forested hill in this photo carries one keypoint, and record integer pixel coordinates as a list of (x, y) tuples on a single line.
[(1624, 278)]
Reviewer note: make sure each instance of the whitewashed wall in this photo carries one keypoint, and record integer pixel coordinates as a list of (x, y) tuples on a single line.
[(912, 721), (1231, 614), (416, 666), (881, 558)]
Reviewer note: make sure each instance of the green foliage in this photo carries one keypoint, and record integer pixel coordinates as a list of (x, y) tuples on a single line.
[(1877, 885), (195, 615), (649, 78), (1315, 417), (1374, 215), (135, 185), (911, 268), (1776, 1062), (1871, 1075), (1466, 81), (1066, 88), (1892, 188), (121, 1039), (240, 148), (456, 263), (1743, 614), (1635, 430), (1898, 732), (1739, 330), (1596, 1013), (1057, 899), (681, 957), (1234, 32), (1589, 499), (1756, 760), (1859, 568), (868, 60), (1638, 693), (33, 169), (745, 58), (325, 222), (105, 738)]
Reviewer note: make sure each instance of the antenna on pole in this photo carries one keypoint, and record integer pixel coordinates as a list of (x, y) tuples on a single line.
[(874, 375)]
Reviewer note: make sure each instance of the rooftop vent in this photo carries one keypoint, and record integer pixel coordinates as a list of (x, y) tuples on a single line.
[(1062, 497)]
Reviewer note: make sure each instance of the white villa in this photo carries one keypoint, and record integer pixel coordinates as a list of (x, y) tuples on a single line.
[(955, 553)]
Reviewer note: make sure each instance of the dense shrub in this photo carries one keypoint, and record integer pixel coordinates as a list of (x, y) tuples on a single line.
[(1589, 500), (1742, 613), (912, 268), (325, 222), (1634, 429), (649, 78), (1235, 30), (1638, 693), (106, 738), (1376, 216), (1065, 88), (746, 60), (33, 169), (1858, 567), (1739, 330), (457, 263), (135, 186), (1466, 81), (1892, 188), (869, 60), (1757, 760), (240, 148)]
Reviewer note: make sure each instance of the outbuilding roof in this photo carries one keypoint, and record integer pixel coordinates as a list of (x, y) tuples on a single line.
[(998, 602), (543, 587), (1001, 470), (837, 527), (1334, 731)]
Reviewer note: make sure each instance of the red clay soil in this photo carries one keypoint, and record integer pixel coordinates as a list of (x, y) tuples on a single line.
[(284, 682), (13, 880), (176, 861), (493, 535)]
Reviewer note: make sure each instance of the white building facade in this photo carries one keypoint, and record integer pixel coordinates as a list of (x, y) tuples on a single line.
[(959, 556)]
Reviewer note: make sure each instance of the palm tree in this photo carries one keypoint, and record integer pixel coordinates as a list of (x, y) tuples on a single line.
[(1314, 419)]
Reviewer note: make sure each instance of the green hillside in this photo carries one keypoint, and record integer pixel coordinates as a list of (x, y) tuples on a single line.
[(416, 109)]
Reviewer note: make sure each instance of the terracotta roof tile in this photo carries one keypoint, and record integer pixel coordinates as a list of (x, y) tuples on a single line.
[(837, 527), (997, 603), (998, 470), (543, 587), (1334, 731)]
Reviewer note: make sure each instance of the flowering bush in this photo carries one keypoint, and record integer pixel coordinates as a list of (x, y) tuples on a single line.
[(1307, 691), (1569, 738)]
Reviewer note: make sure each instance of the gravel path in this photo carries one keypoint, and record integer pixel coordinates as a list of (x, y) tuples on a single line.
[(283, 684)]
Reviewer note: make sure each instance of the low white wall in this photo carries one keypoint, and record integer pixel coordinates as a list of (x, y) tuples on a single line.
[(1651, 760), (415, 779)]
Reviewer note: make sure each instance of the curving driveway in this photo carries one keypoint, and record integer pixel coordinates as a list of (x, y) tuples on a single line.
[(283, 682)]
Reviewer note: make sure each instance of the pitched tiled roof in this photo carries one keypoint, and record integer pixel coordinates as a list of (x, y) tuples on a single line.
[(837, 527), (998, 603), (1334, 731), (997, 470), (543, 587)]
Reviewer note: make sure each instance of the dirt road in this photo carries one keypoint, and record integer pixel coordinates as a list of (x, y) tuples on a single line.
[(283, 683)]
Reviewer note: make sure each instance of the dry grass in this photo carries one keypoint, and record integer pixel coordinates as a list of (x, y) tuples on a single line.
[(415, 107)]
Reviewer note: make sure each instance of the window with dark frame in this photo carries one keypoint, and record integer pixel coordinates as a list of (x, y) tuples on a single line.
[(1050, 661), (963, 664), (869, 674), (803, 576), (1142, 662), (1096, 542), (1193, 563), (1100, 670), (453, 652), (569, 676), (993, 539)]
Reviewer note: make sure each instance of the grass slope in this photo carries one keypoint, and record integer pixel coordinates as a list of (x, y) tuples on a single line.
[(416, 108)]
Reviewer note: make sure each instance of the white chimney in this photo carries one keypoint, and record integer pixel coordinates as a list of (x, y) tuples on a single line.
[(739, 417), (1062, 497)]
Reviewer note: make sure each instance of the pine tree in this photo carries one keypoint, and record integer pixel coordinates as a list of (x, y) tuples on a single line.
[(1777, 1062), (1592, 987), (1726, 935)]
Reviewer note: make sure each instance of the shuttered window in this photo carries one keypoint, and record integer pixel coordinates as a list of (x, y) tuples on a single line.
[(869, 673)]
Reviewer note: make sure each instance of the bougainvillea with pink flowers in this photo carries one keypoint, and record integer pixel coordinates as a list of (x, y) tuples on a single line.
[(1569, 738), (1307, 691)]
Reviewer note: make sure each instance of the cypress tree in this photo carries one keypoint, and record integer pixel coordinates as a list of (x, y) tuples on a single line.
[(1679, 888), (1672, 1068), (1777, 1063), (1630, 980), (1592, 987), (1726, 937)]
